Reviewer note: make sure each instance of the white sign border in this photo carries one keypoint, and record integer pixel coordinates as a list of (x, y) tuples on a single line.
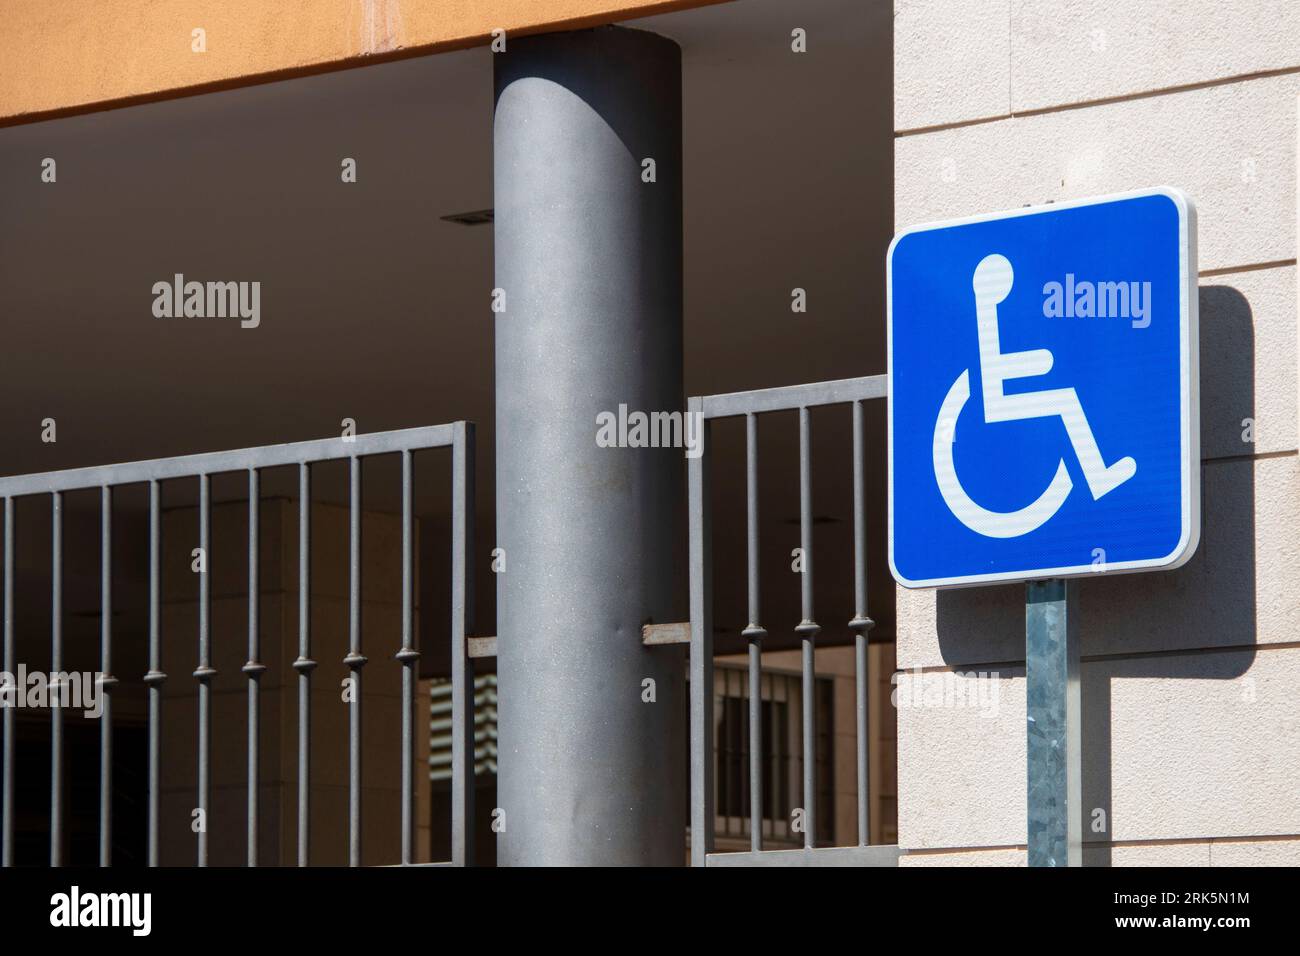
[(1190, 417)]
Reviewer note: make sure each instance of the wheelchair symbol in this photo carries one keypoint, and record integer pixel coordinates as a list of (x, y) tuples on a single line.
[(992, 283)]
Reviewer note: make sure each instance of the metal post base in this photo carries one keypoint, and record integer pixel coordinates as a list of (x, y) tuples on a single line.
[(1054, 806)]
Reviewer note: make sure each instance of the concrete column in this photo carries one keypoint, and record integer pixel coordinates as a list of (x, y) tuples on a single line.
[(589, 257)]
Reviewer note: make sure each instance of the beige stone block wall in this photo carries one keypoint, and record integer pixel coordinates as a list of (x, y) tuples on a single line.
[(1190, 724)]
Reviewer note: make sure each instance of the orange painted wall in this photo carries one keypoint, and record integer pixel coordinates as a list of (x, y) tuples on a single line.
[(66, 56)]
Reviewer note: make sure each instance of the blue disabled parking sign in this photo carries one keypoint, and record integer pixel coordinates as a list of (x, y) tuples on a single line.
[(1043, 408)]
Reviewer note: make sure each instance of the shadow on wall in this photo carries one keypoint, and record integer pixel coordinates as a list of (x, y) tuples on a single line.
[(1132, 625)]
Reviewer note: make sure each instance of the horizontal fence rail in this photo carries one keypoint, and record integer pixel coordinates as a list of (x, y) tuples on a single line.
[(459, 436), (801, 398)]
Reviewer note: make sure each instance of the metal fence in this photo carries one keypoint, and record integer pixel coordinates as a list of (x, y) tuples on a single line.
[(854, 391), (459, 436)]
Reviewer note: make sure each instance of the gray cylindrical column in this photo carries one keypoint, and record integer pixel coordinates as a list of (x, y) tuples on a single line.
[(589, 258)]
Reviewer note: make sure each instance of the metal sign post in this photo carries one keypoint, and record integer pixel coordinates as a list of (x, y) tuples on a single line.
[(1053, 768)]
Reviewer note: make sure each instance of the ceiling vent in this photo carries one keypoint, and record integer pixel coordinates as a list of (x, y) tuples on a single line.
[(479, 217)]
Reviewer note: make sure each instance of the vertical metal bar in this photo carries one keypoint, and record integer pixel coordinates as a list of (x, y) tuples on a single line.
[(155, 678), (776, 781), (701, 663), (204, 672), (751, 513), (860, 680), (106, 681), (755, 634), (355, 661), (57, 681), (304, 665), (860, 626), (254, 668), (730, 732), (7, 825), (807, 630), (408, 656), (755, 746), (462, 668), (1053, 769)]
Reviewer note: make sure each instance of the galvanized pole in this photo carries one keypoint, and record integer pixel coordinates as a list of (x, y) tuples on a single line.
[(1055, 821), (589, 318)]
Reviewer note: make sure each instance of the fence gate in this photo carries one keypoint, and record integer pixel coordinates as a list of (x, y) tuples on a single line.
[(459, 436), (854, 391)]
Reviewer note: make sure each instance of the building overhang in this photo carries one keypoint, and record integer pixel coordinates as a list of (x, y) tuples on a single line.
[(62, 57)]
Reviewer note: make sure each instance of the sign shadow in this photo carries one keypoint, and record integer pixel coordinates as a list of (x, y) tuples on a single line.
[(1197, 622)]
